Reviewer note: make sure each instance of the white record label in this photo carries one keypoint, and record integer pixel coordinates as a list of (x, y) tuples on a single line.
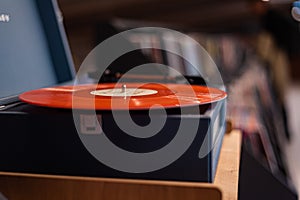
[(121, 92)]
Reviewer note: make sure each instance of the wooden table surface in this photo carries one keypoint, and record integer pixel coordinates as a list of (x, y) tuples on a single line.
[(17, 186)]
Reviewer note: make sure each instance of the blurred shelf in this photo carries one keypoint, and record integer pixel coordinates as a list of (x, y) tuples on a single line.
[(192, 15)]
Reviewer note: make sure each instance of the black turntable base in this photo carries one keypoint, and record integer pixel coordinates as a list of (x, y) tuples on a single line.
[(44, 140)]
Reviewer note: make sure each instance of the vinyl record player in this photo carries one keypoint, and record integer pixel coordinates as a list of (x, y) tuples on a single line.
[(45, 140), (40, 139)]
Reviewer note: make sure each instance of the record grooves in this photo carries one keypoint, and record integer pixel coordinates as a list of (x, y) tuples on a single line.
[(126, 96)]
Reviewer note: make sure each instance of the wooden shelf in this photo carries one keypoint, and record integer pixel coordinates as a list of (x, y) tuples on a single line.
[(39, 186)]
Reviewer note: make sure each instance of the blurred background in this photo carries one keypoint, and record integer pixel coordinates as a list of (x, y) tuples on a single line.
[(249, 18)]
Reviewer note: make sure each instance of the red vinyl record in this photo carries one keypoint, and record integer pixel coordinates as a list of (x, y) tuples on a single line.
[(132, 96)]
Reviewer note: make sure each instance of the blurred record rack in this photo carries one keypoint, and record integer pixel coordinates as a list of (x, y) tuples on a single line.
[(255, 108)]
